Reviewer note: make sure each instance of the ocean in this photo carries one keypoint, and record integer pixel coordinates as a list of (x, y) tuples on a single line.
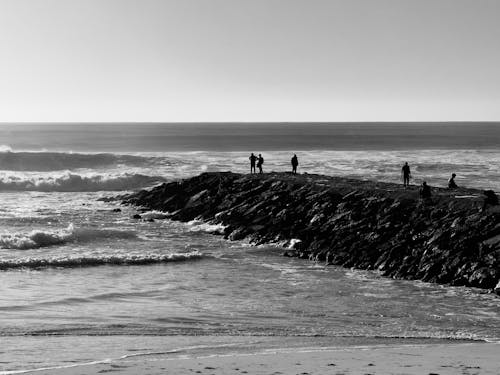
[(83, 282)]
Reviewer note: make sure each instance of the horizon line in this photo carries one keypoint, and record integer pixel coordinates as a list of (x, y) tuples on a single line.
[(241, 122)]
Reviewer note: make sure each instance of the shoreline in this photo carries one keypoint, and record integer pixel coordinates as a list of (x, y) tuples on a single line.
[(352, 223), (289, 356)]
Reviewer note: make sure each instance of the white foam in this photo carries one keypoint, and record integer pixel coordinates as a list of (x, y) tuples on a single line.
[(474, 168), (200, 226), (158, 215), (293, 243)]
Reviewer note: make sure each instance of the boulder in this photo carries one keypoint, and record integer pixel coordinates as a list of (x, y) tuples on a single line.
[(346, 222)]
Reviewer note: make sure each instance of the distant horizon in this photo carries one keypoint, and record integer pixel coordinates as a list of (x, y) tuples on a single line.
[(247, 136), (452, 122)]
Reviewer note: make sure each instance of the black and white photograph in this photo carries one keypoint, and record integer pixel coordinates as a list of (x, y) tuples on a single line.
[(262, 187)]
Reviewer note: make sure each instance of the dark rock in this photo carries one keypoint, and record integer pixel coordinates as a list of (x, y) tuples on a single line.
[(117, 210), (137, 216), (362, 224), (239, 234), (483, 277)]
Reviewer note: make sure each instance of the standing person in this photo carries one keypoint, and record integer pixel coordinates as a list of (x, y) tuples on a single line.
[(260, 162), (252, 158), (295, 163), (451, 182), (406, 174)]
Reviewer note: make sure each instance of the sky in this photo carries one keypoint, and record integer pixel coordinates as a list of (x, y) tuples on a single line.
[(252, 60)]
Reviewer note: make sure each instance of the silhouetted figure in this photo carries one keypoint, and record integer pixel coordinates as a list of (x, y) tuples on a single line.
[(490, 199), (295, 163), (260, 162), (425, 191), (252, 158), (451, 182), (406, 174)]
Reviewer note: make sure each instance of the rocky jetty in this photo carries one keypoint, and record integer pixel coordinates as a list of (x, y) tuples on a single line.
[(352, 223)]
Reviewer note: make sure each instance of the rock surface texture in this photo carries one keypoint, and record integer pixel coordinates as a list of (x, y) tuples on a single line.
[(352, 223)]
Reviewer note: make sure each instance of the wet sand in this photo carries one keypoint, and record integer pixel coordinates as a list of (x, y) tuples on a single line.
[(463, 358)]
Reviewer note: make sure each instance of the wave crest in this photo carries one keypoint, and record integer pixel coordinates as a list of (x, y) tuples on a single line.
[(74, 182), (39, 238), (98, 260), (56, 161)]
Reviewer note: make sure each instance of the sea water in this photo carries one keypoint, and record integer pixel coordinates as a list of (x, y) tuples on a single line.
[(76, 274)]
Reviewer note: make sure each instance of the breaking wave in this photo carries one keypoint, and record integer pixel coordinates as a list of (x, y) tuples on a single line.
[(98, 260), (56, 161), (201, 226), (156, 215), (39, 238), (74, 182)]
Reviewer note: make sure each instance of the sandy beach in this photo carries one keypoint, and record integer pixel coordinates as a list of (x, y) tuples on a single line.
[(464, 358)]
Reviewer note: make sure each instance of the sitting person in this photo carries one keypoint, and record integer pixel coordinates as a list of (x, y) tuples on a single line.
[(425, 191), (451, 182), (490, 199)]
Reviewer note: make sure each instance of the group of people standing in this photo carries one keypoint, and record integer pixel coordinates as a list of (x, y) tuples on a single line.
[(259, 160), (425, 190)]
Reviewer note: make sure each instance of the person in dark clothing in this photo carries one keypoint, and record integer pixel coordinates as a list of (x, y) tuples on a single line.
[(406, 174), (252, 158), (295, 163), (451, 182), (260, 162), (490, 199), (425, 191)]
